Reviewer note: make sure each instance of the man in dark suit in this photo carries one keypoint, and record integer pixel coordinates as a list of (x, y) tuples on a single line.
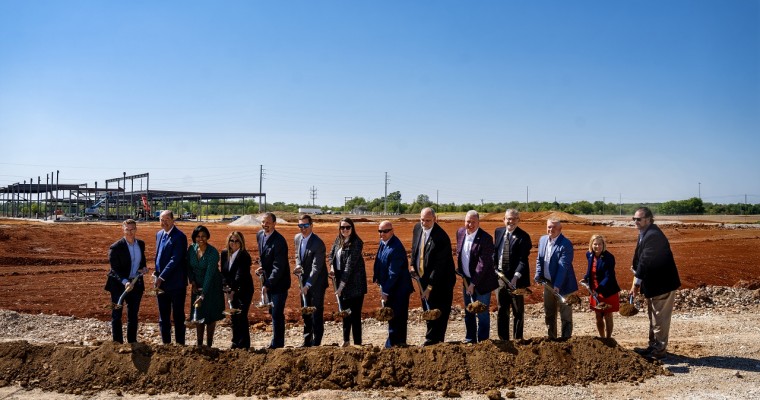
[(433, 264), (127, 259), (171, 277), (475, 265), (273, 256), (310, 269), (555, 265), (656, 276), (392, 274), (512, 247)]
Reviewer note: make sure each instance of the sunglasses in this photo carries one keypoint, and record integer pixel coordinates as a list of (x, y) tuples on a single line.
[(234, 241), (304, 226), (637, 219), (345, 227), (384, 230)]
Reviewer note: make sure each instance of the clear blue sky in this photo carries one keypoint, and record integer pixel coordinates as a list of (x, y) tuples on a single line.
[(464, 100)]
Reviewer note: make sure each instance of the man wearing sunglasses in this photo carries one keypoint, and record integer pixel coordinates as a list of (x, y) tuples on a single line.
[(656, 276), (310, 269), (392, 274)]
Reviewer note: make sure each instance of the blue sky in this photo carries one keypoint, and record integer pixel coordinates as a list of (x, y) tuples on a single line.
[(460, 100)]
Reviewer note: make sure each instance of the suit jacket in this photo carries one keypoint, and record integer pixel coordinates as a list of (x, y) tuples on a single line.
[(519, 247), (481, 261), (238, 274), (654, 264), (274, 260), (353, 270), (121, 264), (171, 265), (560, 264), (605, 273), (439, 270), (313, 262), (392, 268)]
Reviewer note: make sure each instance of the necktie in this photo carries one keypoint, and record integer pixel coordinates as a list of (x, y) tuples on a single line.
[(505, 253), (161, 245), (422, 253)]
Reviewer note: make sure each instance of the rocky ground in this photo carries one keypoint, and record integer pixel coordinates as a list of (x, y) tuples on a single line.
[(714, 353)]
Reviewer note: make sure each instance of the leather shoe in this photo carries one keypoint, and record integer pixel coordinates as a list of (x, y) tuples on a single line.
[(643, 351)]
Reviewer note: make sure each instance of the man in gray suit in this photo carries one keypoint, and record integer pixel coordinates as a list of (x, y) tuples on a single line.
[(310, 269)]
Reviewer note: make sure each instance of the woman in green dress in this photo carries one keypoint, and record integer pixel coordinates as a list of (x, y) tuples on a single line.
[(203, 272)]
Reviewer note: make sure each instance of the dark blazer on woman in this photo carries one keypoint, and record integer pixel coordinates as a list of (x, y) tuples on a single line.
[(238, 275), (354, 272), (605, 273)]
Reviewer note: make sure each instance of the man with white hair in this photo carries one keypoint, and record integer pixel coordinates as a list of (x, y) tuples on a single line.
[(554, 265)]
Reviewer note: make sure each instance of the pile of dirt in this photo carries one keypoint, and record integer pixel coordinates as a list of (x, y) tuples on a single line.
[(449, 367)]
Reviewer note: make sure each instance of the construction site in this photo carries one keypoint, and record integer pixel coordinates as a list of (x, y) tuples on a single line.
[(119, 198)]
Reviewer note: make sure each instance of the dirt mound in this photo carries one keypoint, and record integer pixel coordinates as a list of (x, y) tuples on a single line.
[(141, 368)]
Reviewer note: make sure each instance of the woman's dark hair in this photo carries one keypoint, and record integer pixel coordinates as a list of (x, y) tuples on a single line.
[(353, 236), (198, 229)]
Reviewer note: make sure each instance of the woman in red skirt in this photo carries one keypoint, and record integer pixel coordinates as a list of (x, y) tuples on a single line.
[(600, 278)]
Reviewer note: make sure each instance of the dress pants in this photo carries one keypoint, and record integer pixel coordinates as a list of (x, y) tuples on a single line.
[(278, 319), (241, 334), (509, 302), (660, 310), (314, 324), (440, 299), (551, 305), (353, 323), (132, 302), (171, 305), (476, 333), (397, 326)]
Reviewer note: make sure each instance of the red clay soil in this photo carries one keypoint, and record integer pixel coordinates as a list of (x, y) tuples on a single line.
[(60, 268)]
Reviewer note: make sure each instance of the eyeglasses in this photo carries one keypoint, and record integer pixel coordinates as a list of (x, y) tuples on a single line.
[(384, 230), (304, 226), (637, 219), (345, 227), (234, 241)]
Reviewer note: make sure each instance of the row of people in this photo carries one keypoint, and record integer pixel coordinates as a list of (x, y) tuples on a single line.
[(484, 262)]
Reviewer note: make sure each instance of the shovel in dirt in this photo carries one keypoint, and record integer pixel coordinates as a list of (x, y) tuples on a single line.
[(427, 313), (305, 310), (264, 304), (384, 313), (600, 305), (628, 309), (195, 321), (475, 307), (341, 312), (512, 288), (231, 310), (120, 303), (570, 299)]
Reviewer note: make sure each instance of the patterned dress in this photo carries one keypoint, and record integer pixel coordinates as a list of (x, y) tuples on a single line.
[(204, 272)]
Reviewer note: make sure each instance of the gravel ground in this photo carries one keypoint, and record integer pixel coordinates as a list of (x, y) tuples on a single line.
[(714, 350)]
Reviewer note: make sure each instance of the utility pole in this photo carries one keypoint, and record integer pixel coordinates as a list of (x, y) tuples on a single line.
[(345, 203), (436, 199), (313, 195), (620, 203), (526, 198), (385, 199), (603, 200), (700, 190), (261, 183)]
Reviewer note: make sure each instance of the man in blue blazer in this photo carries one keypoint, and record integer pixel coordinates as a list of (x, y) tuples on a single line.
[(555, 265), (171, 277), (310, 269), (127, 259), (475, 265), (392, 274), (273, 255)]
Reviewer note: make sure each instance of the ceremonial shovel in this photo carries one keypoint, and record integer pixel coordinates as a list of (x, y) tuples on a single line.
[(119, 304), (341, 312), (628, 309), (305, 310), (570, 299), (264, 303), (384, 313), (512, 288), (427, 313), (600, 306), (475, 307), (231, 310)]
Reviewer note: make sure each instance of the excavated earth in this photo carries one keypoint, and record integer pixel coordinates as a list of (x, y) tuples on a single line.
[(58, 269)]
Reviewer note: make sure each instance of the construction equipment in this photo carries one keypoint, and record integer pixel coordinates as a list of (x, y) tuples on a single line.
[(94, 210)]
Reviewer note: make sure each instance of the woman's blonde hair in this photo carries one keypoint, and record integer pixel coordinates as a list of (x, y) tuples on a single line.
[(594, 238), (237, 235)]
